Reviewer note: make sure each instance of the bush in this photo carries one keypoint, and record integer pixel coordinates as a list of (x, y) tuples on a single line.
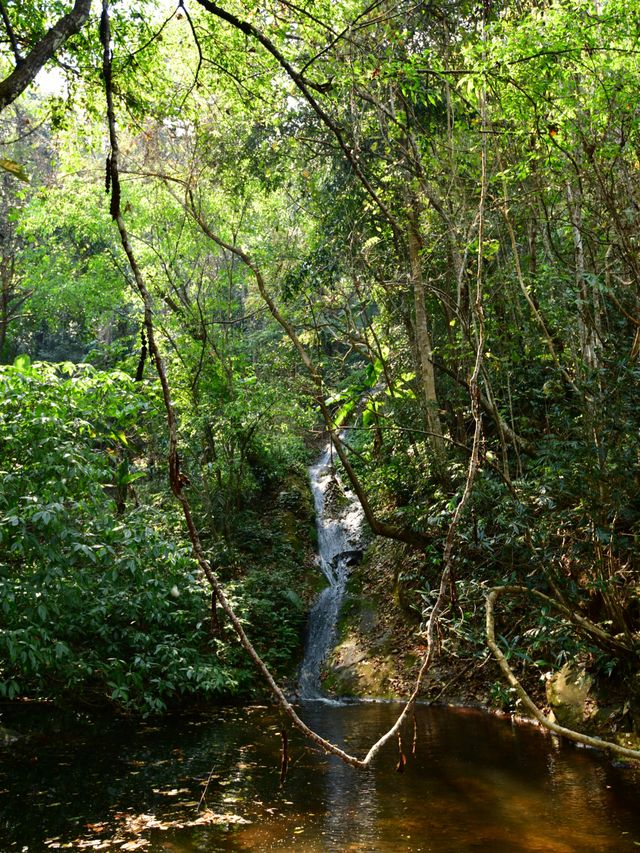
[(97, 604)]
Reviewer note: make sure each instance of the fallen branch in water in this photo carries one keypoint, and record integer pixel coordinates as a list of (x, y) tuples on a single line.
[(524, 697)]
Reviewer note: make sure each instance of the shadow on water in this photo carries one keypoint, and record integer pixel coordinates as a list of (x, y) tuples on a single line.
[(475, 783)]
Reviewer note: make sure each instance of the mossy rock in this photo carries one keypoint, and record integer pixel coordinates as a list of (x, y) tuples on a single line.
[(569, 695), (352, 672)]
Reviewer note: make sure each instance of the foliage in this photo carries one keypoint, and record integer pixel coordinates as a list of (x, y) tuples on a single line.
[(97, 602), (340, 155)]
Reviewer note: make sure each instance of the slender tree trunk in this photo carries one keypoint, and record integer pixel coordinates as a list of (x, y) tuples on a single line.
[(423, 342), (588, 340), (4, 317)]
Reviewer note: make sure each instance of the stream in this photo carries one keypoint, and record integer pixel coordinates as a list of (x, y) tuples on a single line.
[(475, 783), (212, 781)]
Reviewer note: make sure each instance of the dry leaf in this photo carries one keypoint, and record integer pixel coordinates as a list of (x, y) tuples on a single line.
[(15, 168), (97, 827), (138, 844), (209, 818), (171, 793)]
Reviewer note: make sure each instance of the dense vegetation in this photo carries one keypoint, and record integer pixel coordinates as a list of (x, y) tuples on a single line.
[(99, 600), (417, 219)]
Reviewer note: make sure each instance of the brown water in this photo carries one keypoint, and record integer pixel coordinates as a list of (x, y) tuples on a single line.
[(475, 783)]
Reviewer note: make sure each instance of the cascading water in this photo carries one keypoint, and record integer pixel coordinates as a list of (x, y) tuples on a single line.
[(339, 518)]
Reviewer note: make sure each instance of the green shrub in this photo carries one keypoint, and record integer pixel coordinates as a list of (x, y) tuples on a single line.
[(97, 603)]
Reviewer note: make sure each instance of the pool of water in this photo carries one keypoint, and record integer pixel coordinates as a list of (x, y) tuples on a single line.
[(474, 783)]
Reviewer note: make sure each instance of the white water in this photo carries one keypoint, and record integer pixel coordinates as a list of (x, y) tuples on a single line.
[(339, 525)]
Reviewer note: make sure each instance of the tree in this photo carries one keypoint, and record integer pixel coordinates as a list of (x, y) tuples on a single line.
[(437, 208), (41, 48)]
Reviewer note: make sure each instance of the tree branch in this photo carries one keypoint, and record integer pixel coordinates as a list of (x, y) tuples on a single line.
[(303, 85), (11, 34), (25, 71), (524, 697)]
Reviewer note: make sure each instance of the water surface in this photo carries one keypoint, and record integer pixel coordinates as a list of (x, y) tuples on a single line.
[(475, 783)]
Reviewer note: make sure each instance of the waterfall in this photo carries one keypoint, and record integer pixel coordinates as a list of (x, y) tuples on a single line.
[(339, 518)]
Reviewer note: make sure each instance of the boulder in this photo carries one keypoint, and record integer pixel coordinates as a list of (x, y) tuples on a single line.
[(570, 698)]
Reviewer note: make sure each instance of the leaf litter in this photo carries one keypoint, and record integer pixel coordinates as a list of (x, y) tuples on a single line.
[(136, 825)]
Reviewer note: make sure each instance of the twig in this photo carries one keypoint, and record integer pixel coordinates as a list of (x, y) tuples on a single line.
[(198, 47), (206, 788), (284, 754)]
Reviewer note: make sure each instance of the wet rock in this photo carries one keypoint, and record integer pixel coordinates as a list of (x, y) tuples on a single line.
[(570, 698), (349, 558)]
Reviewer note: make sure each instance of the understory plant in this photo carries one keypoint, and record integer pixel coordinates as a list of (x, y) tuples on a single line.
[(98, 602)]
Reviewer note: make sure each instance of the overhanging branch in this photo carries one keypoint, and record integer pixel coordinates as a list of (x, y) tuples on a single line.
[(25, 71), (524, 697)]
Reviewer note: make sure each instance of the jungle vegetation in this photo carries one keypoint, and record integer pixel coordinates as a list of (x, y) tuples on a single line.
[(417, 219)]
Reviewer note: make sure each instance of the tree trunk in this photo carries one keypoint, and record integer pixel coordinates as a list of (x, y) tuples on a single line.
[(423, 343), (588, 338), (25, 71)]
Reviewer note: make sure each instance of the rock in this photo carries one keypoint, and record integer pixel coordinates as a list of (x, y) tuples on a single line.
[(569, 695), (351, 557), (348, 654)]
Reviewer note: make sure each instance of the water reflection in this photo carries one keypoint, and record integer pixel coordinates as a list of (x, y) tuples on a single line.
[(475, 783), (348, 798)]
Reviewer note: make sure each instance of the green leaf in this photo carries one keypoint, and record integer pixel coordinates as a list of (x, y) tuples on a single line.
[(131, 478), (343, 412), (22, 363), (84, 549), (294, 598), (371, 410)]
